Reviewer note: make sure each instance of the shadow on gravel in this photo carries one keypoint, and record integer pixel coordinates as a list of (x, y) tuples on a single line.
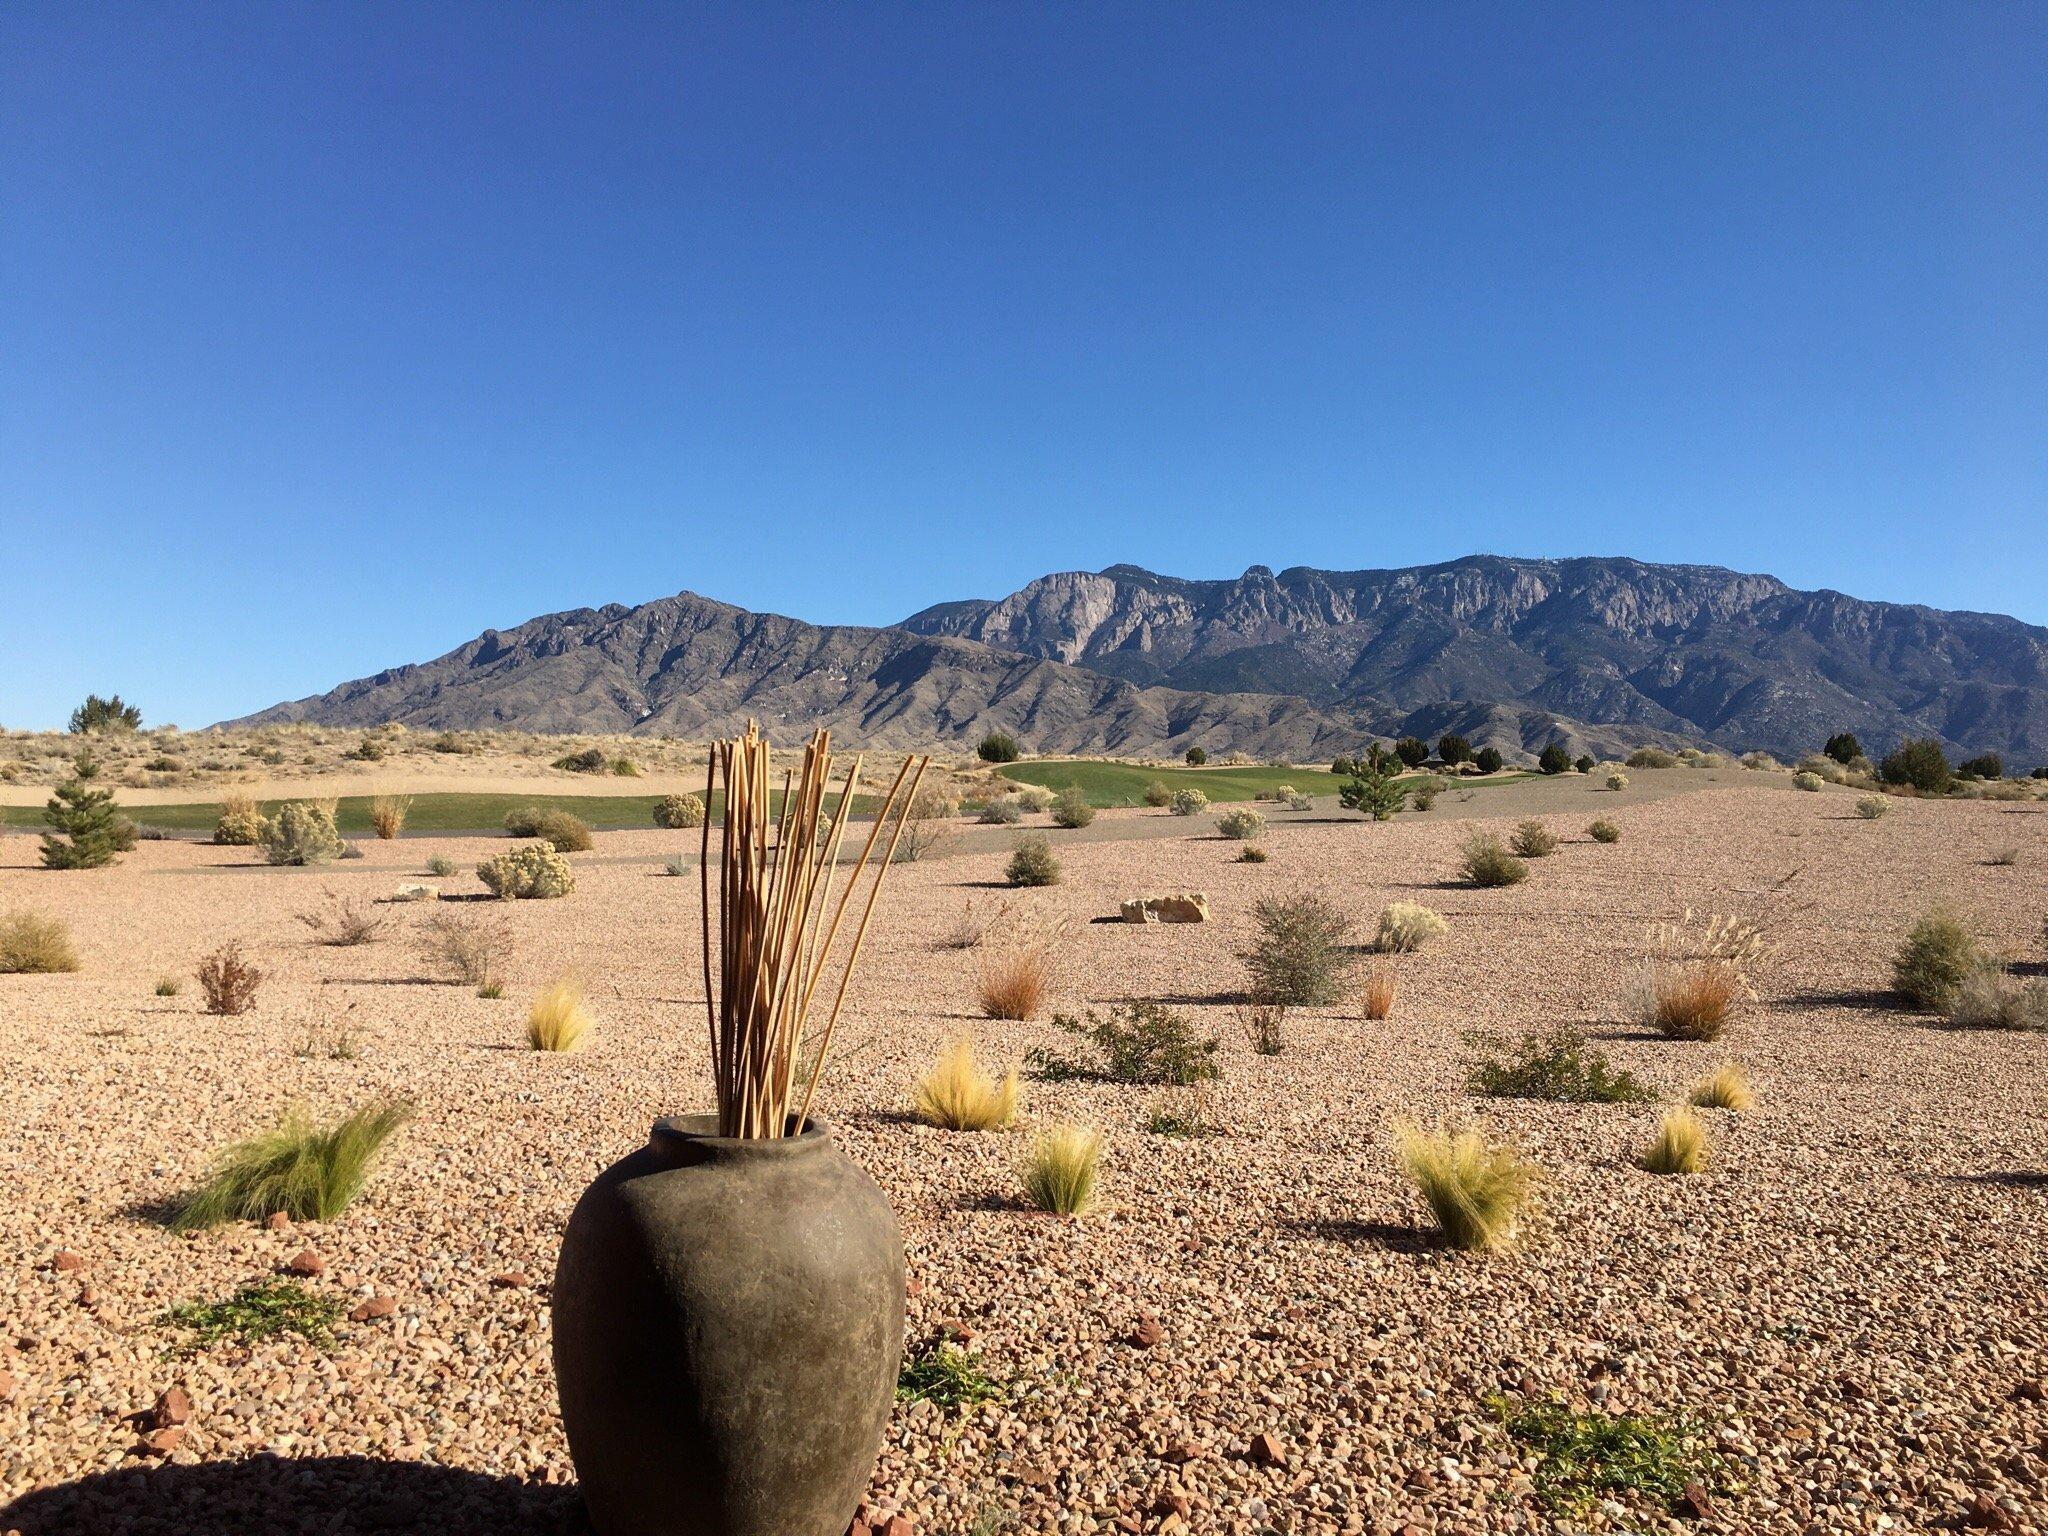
[(2014, 1179), (1880, 999), (276, 1496), (1383, 1234)]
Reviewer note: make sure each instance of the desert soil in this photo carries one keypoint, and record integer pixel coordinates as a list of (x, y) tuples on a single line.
[(1850, 1297)]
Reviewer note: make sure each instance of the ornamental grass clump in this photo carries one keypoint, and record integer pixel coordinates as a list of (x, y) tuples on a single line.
[(558, 1021), (1300, 957), (1405, 926), (1376, 998), (1680, 1145), (1486, 862), (1689, 999), (32, 944), (388, 813), (1726, 1087), (1934, 960), (772, 938), (1477, 1189), (241, 821), (957, 1095), (298, 1169), (1061, 1171)]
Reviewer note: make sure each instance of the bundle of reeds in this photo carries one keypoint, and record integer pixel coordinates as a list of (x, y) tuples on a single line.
[(782, 903)]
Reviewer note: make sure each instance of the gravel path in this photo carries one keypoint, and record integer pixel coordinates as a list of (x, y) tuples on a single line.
[(1851, 1295)]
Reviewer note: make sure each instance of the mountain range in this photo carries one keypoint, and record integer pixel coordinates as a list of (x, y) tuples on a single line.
[(1603, 654)]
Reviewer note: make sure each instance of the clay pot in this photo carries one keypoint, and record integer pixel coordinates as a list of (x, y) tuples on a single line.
[(728, 1325)]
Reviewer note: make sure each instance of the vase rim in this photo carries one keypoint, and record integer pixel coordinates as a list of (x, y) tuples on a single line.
[(698, 1135)]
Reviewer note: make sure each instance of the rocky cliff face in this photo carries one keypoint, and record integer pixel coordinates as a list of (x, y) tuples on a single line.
[(1606, 654), (1696, 651)]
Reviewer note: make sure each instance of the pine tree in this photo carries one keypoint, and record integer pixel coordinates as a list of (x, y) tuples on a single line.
[(1374, 792), (89, 830)]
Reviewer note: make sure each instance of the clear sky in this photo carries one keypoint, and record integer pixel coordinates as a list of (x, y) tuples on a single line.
[(332, 335)]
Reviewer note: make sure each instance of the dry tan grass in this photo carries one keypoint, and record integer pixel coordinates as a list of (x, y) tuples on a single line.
[(474, 950), (558, 1021), (1689, 999), (1476, 1189), (1378, 993), (956, 1095), (1015, 983), (388, 813), (1726, 1087), (32, 943), (1680, 1145)]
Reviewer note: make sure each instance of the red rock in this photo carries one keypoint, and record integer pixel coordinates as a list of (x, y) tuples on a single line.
[(1181, 1451), (306, 1262), (899, 1525), (8, 1385), (913, 1289), (1168, 1503), (277, 1221), (1695, 1502), (1148, 1332), (1267, 1450), (1985, 1515), (88, 1296), (374, 1308), (66, 1261), (957, 1331), (173, 1407), (161, 1442), (2031, 1391), (511, 1280), (860, 1527)]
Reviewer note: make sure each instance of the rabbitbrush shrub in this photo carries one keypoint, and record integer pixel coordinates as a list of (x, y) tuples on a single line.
[(1486, 862), (304, 1171), (241, 822), (1405, 926), (534, 872), (302, 832), (1934, 960), (1188, 802), (1873, 807), (1158, 795), (1533, 840), (1071, 808), (678, 811), (1604, 832), (1003, 811), (1033, 864), (1241, 825), (1812, 783), (32, 944)]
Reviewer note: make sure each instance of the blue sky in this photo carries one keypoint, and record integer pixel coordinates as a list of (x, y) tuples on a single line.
[(331, 335)]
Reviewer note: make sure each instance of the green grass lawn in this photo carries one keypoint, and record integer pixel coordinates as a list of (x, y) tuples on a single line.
[(1113, 784), (430, 813)]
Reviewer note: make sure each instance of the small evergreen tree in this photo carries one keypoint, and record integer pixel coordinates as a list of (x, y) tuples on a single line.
[(1585, 764), (1379, 758), (1989, 766), (1554, 758), (1197, 757), (997, 747), (1412, 751), (1374, 792), (1453, 750), (1343, 767), (1919, 762), (1489, 760), (87, 830), (98, 714), (1843, 747)]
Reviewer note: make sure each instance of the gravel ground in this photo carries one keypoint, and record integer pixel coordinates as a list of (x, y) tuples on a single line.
[(1851, 1295)]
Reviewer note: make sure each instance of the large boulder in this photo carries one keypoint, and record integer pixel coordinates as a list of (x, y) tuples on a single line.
[(1178, 907)]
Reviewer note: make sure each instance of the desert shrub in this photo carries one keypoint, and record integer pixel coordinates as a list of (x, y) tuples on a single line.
[(1762, 762), (1920, 763), (561, 831), (1825, 769), (369, 750), (1264, 1025), (344, 921), (1412, 752), (1604, 831), (1680, 1145), (1453, 750), (1617, 780), (523, 821), (1991, 997), (1585, 1459), (1725, 1087), (625, 768), (1373, 793), (998, 747), (558, 1021), (2003, 858), (1060, 1172), (304, 1171), (98, 714), (1033, 863), (1188, 802), (441, 866), (1003, 811), (1071, 808), (1299, 957), (228, 981), (956, 1095), (32, 944), (589, 760), (1426, 791), (1689, 999), (87, 830), (1135, 1043), (267, 1309), (1584, 763), (1241, 825), (1015, 981), (241, 822), (1377, 997), (1195, 757), (1405, 926), (1185, 1114), (1297, 801), (1533, 840), (678, 811), (1988, 766), (1812, 783), (1251, 853), (1158, 795), (454, 742), (302, 832), (476, 952), (1476, 1189), (974, 924), (387, 815), (1034, 797), (1556, 1067), (1489, 760), (1650, 757), (1934, 960), (534, 872), (1873, 807), (1485, 861), (1843, 747)]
